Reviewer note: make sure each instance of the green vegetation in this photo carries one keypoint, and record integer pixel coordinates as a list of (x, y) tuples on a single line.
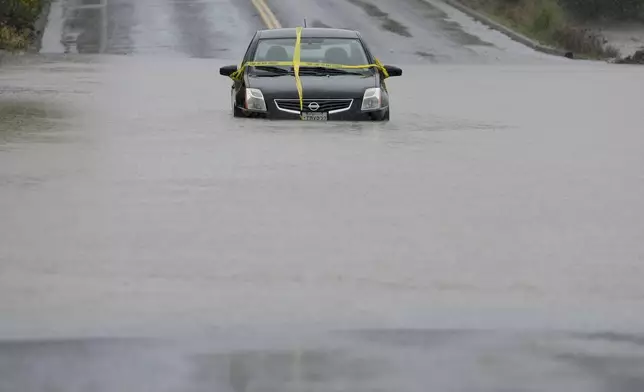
[(605, 9), (17, 19), (557, 22)]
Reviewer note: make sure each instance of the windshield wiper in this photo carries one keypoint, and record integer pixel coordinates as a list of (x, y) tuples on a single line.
[(275, 70), (278, 71), (326, 71)]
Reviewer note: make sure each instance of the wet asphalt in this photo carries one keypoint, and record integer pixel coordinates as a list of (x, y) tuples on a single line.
[(408, 32), (488, 238)]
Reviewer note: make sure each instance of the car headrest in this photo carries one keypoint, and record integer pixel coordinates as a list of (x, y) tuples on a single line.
[(276, 53), (336, 56)]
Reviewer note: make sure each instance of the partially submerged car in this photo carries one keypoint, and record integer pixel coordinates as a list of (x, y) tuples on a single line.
[(310, 74)]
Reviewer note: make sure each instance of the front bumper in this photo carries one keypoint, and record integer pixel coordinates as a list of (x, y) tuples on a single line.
[(353, 113)]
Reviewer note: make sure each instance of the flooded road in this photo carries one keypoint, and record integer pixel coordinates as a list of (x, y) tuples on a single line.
[(357, 360), (491, 231), (132, 201)]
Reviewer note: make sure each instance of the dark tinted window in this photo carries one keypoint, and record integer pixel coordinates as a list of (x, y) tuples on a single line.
[(345, 51)]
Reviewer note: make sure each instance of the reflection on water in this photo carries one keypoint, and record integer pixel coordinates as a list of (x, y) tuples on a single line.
[(86, 26), (28, 120), (388, 360)]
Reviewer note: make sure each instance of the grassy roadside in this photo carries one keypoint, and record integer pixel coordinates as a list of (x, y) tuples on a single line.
[(12, 39), (17, 23), (548, 22)]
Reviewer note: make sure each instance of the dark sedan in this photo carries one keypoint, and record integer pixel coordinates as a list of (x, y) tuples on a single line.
[(331, 89)]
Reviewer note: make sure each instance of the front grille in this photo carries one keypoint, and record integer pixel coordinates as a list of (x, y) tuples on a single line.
[(326, 105)]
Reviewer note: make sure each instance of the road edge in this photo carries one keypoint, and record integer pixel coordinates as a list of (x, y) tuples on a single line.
[(484, 19), (40, 25)]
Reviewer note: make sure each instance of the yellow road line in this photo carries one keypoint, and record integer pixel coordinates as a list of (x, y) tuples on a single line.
[(266, 14)]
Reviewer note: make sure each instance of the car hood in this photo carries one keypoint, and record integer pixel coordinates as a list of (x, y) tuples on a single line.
[(337, 86)]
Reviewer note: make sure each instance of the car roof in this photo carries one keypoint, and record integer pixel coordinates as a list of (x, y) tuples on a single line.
[(312, 32)]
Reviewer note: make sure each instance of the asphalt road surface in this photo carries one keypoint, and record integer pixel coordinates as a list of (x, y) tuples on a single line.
[(407, 31), (488, 238)]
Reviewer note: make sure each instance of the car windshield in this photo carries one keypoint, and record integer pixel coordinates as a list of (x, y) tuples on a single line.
[(344, 51)]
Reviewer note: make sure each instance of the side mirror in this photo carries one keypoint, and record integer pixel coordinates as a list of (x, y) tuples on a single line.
[(227, 70), (393, 71)]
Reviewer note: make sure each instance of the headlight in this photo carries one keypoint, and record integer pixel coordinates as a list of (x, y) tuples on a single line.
[(372, 99), (255, 100)]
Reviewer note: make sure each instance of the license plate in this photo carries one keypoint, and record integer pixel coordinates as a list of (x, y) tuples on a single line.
[(309, 116)]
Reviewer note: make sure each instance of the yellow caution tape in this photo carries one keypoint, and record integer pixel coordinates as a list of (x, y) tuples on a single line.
[(237, 75), (381, 68), (296, 64)]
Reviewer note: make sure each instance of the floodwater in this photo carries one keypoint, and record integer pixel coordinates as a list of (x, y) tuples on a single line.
[(489, 237)]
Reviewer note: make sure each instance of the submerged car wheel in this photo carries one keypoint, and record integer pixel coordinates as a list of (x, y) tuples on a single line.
[(237, 112), (380, 116)]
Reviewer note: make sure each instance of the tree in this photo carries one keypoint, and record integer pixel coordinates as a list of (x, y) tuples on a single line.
[(20, 14)]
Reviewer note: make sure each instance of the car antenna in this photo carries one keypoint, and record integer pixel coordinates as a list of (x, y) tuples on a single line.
[(305, 21)]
